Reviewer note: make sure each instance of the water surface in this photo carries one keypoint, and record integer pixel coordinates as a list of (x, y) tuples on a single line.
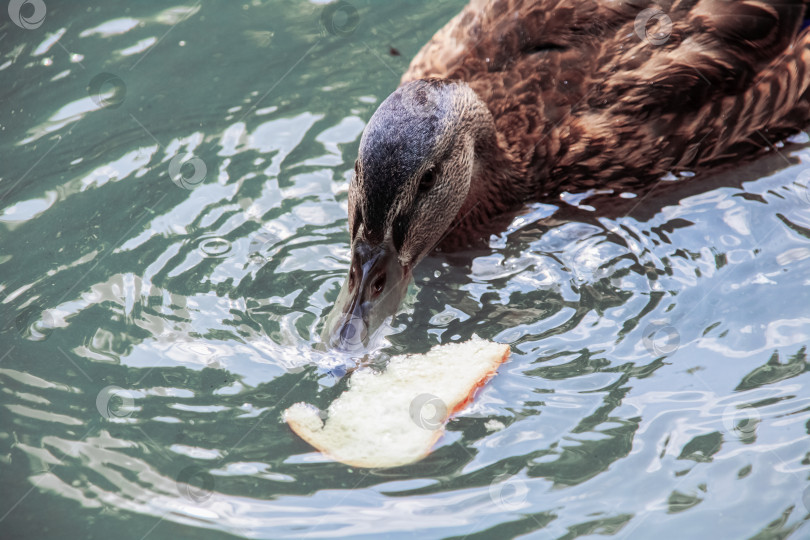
[(173, 224)]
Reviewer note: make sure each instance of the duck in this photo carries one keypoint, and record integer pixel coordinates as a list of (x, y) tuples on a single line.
[(514, 101)]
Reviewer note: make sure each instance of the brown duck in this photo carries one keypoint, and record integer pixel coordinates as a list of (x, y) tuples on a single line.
[(514, 100)]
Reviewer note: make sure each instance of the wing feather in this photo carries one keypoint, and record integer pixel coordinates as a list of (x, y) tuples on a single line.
[(581, 94)]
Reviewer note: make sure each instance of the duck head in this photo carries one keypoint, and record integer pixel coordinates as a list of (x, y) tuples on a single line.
[(412, 178)]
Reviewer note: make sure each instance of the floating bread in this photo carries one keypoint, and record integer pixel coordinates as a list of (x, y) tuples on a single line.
[(395, 417)]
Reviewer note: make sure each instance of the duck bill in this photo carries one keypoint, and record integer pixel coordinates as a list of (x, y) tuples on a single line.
[(371, 293)]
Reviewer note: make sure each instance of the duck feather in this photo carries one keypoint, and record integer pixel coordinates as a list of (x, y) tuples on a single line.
[(583, 95)]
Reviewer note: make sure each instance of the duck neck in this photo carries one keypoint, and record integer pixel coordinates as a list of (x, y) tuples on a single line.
[(496, 193)]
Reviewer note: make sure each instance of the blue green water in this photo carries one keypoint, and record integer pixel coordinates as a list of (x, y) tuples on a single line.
[(173, 216)]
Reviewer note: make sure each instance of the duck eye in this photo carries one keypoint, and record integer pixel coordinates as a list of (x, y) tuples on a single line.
[(379, 284), (427, 181)]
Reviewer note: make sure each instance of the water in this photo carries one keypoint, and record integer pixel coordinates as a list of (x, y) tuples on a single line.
[(174, 224)]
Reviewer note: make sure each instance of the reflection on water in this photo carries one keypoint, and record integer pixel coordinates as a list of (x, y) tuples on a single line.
[(174, 225)]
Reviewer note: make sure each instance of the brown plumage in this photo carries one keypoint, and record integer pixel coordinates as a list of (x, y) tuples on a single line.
[(580, 100), (515, 100)]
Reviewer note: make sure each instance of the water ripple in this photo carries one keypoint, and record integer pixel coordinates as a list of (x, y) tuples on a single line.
[(174, 214)]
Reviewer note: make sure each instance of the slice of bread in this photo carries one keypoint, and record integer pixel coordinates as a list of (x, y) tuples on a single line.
[(395, 417)]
